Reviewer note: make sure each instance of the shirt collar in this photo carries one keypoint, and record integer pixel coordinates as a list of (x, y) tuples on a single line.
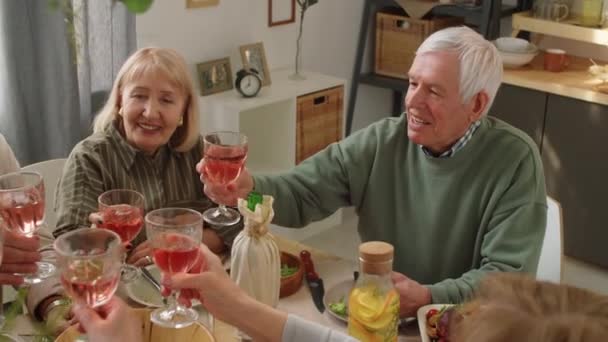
[(128, 153), (458, 145)]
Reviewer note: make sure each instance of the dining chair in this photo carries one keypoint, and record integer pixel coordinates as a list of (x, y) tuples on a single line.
[(550, 265), (51, 171)]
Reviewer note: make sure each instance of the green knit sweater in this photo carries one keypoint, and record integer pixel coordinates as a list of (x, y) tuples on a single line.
[(451, 220)]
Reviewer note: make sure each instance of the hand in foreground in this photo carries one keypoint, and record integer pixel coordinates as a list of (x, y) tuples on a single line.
[(225, 300), (226, 194), (111, 322), (412, 295), (216, 291), (19, 255)]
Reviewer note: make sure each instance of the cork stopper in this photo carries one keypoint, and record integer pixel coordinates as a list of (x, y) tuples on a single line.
[(376, 257)]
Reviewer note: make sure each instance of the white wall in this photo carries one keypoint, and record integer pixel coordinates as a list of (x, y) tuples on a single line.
[(331, 30)]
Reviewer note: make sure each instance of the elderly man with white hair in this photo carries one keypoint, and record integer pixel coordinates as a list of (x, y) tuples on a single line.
[(459, 194)]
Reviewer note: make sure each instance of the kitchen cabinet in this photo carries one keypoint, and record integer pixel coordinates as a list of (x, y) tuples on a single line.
[(523, 108), (575, 158)]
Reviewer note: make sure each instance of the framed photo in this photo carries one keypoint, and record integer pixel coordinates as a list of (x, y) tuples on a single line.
[(281, 12), (215, 76), (253, 56), (201, 3)]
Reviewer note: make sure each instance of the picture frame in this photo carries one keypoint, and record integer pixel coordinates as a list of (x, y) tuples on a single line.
[(254, 56), (281, 12), (201, 3), (214, 76)]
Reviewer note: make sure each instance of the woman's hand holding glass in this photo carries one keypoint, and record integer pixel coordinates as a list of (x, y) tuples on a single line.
[(19, 256), (209, 283), (175, 235), (89, 262), (22, 205), (121, 211), (111, 322)]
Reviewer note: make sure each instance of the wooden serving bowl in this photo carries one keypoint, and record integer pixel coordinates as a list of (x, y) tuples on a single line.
[(154, 333), (292, 283)]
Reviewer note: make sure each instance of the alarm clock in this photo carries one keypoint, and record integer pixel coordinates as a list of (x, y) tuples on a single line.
[(248, 82)]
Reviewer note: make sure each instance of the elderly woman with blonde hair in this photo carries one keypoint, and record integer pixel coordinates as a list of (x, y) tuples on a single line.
[(146, 138)]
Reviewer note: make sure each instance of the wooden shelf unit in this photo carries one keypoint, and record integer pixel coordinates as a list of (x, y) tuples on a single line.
[(567, 29), (485, 17)]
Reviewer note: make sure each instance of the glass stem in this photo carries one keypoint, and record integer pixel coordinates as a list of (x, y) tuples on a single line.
[(222, 209), (173, 304)]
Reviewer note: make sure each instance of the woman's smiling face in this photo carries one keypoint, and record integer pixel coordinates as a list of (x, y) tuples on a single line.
[(151, 111)]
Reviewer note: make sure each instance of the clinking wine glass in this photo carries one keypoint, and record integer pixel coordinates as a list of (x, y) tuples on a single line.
[(22, 210), (121, 211), (225, 154), (175, 235), (89, 262)]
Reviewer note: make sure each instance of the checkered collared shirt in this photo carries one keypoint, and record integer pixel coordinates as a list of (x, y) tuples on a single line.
[(458, 145)]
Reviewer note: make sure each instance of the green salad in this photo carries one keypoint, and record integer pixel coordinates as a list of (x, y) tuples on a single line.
[(287, 270), (339, 308)]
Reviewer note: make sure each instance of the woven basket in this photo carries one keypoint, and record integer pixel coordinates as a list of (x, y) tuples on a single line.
[(319, 121), (397, 39)]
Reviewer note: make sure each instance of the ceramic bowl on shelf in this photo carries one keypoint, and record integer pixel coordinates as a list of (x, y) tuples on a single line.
[(518, 59), (513, 45)]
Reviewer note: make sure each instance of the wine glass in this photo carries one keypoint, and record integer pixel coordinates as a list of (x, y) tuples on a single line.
[(121, 211), (175, 235), (225, 154), (22, 209), (89, 263)]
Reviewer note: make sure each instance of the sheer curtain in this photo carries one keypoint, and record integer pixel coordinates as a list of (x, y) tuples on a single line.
[(47, 96)]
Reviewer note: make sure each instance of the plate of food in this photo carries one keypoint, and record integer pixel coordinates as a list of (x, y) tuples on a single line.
[(434, 321), (336, 300)]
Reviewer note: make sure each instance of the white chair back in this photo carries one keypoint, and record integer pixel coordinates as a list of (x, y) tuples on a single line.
[(552, 252), (51, 171)]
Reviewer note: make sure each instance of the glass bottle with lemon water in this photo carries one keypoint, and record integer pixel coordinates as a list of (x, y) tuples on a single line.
[(591, 13), (373, 304)]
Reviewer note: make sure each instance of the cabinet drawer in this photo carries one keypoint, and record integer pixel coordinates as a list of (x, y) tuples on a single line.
[(319, 121)]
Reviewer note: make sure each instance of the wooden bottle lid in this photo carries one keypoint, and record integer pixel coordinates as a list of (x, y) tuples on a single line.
[(376, 252)]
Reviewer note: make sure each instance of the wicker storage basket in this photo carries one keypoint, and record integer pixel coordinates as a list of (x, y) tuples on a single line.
[(319, 121), (398, 37)]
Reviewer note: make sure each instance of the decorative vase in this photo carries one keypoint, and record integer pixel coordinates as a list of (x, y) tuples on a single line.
[(297, 75)]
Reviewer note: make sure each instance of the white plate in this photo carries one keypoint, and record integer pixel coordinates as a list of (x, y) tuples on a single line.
[(144, 293), (422, 319), (336, 293)]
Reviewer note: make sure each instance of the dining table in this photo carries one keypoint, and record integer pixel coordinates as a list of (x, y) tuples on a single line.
[(332, 269)]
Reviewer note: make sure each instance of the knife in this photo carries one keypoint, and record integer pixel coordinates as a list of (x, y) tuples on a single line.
[(150, 278), (315, 284)]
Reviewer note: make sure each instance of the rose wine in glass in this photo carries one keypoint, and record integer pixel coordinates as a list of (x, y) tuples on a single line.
[(122, 211), (175, 235), (225, 154), (89, 262), (22, 210)]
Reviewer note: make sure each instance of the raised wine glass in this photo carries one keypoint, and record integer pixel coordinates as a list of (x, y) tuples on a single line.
[(121, 211), (225, 154), (175, 235), (22, 210), (89, 263)]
